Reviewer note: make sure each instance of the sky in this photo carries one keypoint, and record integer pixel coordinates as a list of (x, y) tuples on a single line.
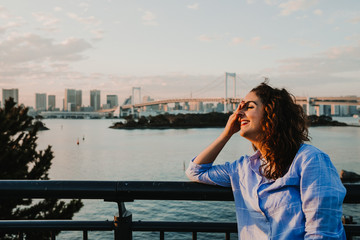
[(178, 48)]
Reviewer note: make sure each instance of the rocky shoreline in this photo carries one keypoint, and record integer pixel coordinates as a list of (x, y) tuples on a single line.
[(207, 120)]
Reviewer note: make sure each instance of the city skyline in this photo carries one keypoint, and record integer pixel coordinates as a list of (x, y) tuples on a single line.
[(177, 49), (79, 103)]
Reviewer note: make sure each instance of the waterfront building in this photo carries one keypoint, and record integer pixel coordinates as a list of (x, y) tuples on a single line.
[(10, 93), (112, 100), (353, 110), (73, 100), (196, 106), (335, 110), (51, 102), (95, 99), (220, 107), (209, 107), (186, 106), (70, 98), (78, 100), (324, 110), (40, 101), (177, 106), (106, 106)]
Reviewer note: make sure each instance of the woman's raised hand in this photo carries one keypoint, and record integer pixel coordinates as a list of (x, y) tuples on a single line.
[(233, 123)]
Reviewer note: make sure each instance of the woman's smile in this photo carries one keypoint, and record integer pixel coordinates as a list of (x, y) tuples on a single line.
[(244, 122)]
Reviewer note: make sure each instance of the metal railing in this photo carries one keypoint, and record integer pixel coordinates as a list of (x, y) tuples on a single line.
[(128, 191)]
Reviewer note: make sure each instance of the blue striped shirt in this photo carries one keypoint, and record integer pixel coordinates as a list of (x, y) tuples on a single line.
[(306, 203)]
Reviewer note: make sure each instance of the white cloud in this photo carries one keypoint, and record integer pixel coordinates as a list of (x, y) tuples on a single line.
[(355, 20), (98, 33), (47, 20), (334, 60), (205, 38), (85, 20), (9, 25), (84, 6), (194, 6), (318, 12), (295, 5), (254, 40), (267, 47), (149, 18), (3, 13), (58, 9), (236, 40), (21, 48)]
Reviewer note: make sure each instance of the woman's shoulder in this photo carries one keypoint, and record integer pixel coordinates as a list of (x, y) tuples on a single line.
[(309, 154), (309, 150)]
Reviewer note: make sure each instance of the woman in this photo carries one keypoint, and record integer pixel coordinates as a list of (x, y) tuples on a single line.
[(287, 189)]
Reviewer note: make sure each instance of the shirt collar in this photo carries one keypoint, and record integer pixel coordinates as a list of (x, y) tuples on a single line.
[(255, 162)]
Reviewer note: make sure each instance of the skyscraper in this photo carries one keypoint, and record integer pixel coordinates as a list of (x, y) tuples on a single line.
[(78, 100), (112, 100), (95, 99), (7, 93), (40, 103), (73, 100), (51, 102)]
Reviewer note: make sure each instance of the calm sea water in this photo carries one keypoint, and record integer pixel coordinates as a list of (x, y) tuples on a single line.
[(161, 155)]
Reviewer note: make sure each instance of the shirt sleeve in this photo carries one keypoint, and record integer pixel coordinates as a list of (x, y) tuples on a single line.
[(209, 173), (322, 195)]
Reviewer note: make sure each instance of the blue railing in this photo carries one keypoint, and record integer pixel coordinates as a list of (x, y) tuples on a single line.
[(128, 191)]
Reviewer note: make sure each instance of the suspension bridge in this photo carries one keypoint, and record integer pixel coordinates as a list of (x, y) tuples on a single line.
[(136, 105)]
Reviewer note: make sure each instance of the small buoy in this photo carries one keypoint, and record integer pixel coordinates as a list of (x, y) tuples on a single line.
[(77, 142)]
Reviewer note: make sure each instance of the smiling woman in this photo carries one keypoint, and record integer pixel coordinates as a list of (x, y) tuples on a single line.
[(287, 189)]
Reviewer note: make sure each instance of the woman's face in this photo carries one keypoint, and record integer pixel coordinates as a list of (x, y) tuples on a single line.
[(251, 114)]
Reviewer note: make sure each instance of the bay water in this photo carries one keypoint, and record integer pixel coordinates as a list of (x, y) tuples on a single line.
[(162, 155)]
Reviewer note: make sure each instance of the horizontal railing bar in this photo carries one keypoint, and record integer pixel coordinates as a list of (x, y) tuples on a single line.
[(113, 190), (144, 226), (58, 189), (353, 229), (70, 225), (128, 190), (157, 190)]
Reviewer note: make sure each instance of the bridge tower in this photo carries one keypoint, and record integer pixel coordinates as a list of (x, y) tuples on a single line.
[(233, 75), (133, 98)]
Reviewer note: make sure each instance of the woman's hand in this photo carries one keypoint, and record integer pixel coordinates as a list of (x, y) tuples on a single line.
[(209, 154), (233, 123)]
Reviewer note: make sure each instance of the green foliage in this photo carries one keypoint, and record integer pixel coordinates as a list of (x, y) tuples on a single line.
[(19, 159)]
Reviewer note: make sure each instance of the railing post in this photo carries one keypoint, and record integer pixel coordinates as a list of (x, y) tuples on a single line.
[(122, 223)]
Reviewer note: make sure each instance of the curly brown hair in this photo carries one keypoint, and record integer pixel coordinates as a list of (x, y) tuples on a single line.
[(284, 128)]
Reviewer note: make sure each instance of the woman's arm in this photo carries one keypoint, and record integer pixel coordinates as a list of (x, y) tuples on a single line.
[(212, 151), (322, 195), (201, 169)]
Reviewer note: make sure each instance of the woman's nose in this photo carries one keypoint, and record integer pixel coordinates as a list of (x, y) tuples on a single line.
[(241, 113)]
